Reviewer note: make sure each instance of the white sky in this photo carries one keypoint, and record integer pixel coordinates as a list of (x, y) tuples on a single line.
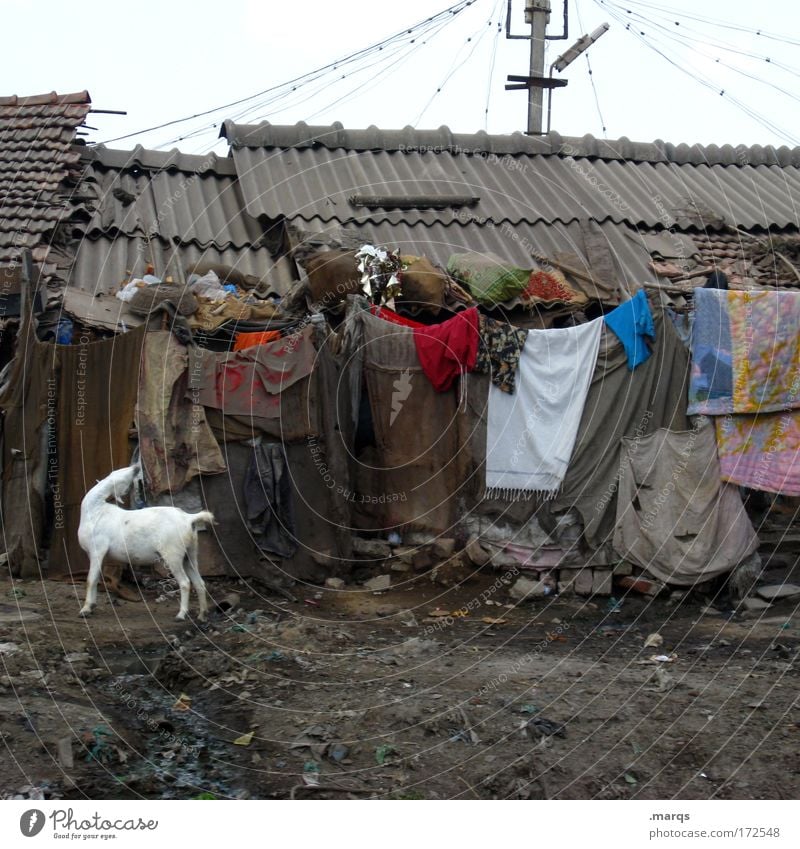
[(161, 61)]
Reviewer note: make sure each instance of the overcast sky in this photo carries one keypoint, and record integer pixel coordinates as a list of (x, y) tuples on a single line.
[(162, 61)]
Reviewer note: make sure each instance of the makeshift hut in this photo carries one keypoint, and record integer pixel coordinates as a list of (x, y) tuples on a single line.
[(402, 343)]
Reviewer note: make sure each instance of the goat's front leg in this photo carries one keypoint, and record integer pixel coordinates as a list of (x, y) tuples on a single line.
[(95, 568)]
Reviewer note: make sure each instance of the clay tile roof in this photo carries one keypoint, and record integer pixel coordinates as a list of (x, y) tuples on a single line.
[(37, 159)]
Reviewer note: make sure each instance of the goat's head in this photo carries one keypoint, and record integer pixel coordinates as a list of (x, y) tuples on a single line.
[(122, 480)]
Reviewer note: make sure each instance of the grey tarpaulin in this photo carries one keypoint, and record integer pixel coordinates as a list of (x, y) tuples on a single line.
[(675, 517), (622, 403)]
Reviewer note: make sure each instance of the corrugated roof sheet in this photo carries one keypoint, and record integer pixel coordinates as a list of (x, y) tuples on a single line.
[(515, 245), (37, 157), (320, 182), (177, 196), (443, 140), (102, 263)]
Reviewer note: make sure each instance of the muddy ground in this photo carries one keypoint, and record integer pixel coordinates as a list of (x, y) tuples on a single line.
[(353, 694)]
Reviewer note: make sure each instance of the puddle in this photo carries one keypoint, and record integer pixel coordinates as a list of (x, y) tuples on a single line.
[(169, 753)]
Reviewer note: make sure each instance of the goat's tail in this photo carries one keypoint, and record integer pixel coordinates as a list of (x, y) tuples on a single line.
[(205, 517)]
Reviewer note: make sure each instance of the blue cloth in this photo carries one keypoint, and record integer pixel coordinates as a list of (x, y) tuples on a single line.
[(631, 322)]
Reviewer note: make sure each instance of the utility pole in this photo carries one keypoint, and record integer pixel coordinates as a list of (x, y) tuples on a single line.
[(537, 14)]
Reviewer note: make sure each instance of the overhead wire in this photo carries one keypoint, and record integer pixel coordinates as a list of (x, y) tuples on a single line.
[(452, 71), (688, 41), (452, 10), (492, 61), (759, 32), (591, 76), (696, 75), (393, 60)]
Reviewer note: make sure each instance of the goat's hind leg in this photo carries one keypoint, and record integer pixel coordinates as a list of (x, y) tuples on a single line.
[(95, 569), (193, 571), (175, 567)]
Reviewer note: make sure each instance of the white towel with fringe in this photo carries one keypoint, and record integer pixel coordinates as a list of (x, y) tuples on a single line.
[(530, 434)]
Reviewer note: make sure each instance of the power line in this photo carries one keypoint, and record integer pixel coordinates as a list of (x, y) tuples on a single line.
[(591, 77), (695, 74), (497, 33), (450, 10), (393, 59), (453, 70)]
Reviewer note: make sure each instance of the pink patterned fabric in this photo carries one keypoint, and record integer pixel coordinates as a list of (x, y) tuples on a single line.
[(761, 452)]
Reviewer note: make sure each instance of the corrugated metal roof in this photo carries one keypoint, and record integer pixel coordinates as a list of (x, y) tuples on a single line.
[(514, 245), (102, 263), (37, 157), (134, 196), (308, 182), (443, 140)]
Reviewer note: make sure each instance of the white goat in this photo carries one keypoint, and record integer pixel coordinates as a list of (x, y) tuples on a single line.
[(139, 537)]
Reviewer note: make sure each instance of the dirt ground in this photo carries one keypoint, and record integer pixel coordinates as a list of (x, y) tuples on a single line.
[(353, 694)]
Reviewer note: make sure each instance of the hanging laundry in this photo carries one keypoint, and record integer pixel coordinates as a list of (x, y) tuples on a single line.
[(621, 403), (761, 451), (766, 350), (675, 518), (267, 494), (390, 315), (250, 382), (745, 352), (449, 349), (499, 350), (244, 341), (632, 324), (175, 440), (530, 435)]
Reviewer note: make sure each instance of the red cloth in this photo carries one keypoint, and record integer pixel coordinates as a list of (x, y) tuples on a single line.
[(448, 349), (395, 318), (250, 340)]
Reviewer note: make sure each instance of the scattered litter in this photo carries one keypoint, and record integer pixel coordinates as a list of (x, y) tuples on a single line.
[(491, 620), (539, 727), (529, 709), (16, 593), (245, 739), (8, 648), (311, 773), (382, 753), (659, 658), (438, 613), (413, 647), (64, 749), (614, 605), (653, 641), (663, 680), (630, 778), (338, 752), (395, 538), (183, 702)]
